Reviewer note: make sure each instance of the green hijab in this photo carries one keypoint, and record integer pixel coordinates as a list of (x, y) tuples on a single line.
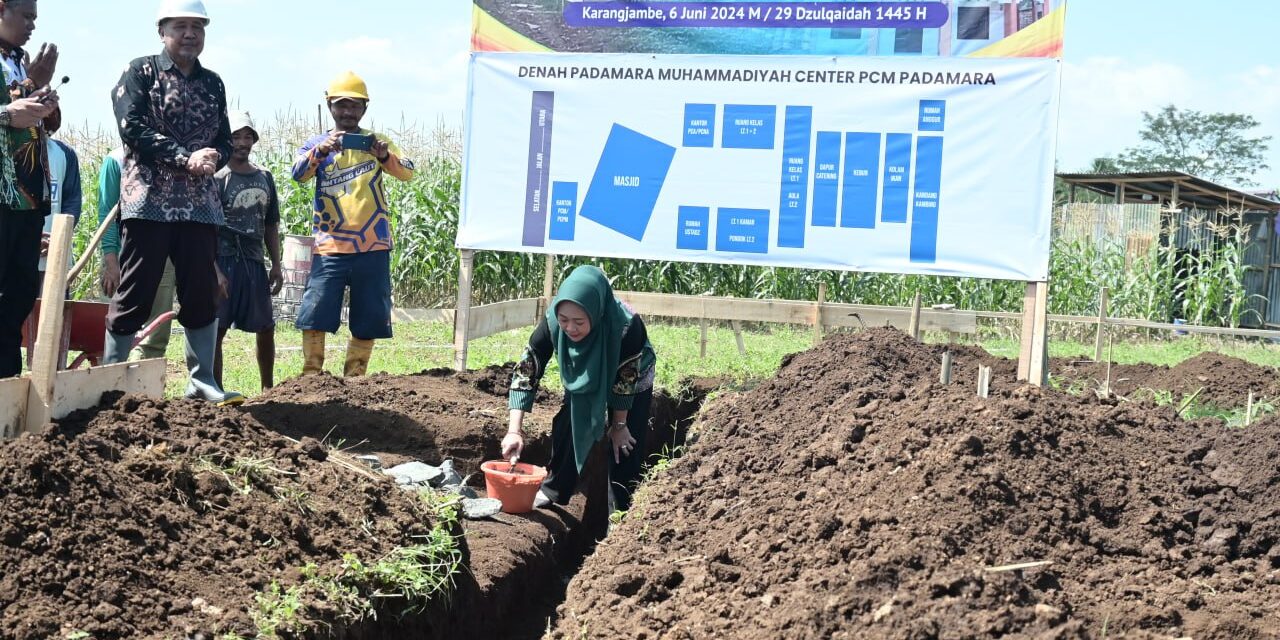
[(588, 367)]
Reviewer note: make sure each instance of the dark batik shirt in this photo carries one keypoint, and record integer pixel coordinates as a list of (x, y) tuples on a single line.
[(164, 117), (250, 205)]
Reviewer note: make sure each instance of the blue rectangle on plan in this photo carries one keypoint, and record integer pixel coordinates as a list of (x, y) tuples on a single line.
[(792, 213), (564, 210), (627, 181), (742, 230), (861, 177), (699, 125), (693, 226), (933, 115), (826, 178), (924, 209), (748, 126), (897, 176)]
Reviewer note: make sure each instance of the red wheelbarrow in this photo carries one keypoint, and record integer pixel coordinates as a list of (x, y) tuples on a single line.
[(83, 330)]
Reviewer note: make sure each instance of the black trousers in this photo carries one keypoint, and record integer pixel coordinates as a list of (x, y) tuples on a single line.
[(145, 245), (562, 471), (19, 281)]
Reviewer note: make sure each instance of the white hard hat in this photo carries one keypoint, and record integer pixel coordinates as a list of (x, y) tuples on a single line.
[(242, 120), (181, 9)]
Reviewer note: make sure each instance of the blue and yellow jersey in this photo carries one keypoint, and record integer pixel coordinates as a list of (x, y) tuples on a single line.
[(350, 210)]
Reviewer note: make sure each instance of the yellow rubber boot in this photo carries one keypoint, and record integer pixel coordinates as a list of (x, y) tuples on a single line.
[(312, 352), (358, 353)]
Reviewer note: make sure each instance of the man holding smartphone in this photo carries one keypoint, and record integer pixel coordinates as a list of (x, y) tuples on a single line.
[(172, 114), (24, 185), (352, 229)]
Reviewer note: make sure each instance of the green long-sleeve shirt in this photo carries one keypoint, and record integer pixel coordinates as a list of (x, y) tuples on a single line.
[(108, 196)]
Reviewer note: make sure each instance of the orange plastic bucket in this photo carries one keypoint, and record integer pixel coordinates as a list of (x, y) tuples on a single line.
[(515, 490)]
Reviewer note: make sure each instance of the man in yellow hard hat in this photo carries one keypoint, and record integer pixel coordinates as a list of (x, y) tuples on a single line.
[(352, 229)]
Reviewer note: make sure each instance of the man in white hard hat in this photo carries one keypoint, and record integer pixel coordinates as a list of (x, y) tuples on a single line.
[(252, 210), (172, 115), (352, 229), (24, 185)]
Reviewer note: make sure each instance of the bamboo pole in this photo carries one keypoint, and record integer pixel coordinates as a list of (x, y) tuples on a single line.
[(48, 344), (549, 278), (1102, 323), (462, 319)]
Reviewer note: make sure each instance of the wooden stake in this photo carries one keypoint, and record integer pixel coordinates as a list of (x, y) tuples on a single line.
[(1111, 347), (737, 335), (702, 342), (1038, 374), (913, 326), (1248, 410), (945, 378), (462, 319), (818, 329), (984, 381), (1028, 329), (48, 344), (1016, 567), (1102, 327)]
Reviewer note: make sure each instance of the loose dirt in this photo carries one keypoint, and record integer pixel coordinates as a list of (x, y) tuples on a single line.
[(130, 521), (851, 496)]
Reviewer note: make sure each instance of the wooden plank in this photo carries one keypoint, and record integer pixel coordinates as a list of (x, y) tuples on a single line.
[(490, 319), (83, 388), (48, 343), (1039, 372), (13, 406), (462, 319), (737, 336), (793, 312), (1028, 316), (423, 315)]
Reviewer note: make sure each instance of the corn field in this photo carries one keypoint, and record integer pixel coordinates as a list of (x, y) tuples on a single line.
[(1155, 283)]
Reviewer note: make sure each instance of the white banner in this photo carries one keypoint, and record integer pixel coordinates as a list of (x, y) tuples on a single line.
[(920, 166)]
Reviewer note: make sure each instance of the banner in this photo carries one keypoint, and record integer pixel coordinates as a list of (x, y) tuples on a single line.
[(951, 28), (904, 165)]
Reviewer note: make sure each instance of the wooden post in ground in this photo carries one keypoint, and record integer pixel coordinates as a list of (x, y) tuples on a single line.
[(462, 319), (1102, 327), (984, 381), (48, 344), (737, 336), (1028, 328), (945, 377), (913, 327), (1038, 373), (549, 278), (818, 330)]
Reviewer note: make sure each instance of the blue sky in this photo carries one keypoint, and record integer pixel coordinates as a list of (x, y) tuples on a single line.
[(1122, 57)]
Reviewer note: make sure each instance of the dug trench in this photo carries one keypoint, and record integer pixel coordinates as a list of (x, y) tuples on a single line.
[(152, 519), (516, 566)]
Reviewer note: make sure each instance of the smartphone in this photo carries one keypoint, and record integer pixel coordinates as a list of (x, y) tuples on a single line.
[(357, 141)]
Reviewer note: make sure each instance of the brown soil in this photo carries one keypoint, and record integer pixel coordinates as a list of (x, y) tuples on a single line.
[(118, 523), (1221, 381), (851, 496)]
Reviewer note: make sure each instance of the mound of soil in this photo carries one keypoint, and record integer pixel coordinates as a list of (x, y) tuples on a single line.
[(1221, 381), (149, 519), (851, 496)]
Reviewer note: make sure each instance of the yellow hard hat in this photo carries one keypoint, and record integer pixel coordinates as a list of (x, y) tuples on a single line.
[(347, 85)]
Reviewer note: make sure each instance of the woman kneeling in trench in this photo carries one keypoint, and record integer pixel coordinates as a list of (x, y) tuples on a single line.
[(607, 366)]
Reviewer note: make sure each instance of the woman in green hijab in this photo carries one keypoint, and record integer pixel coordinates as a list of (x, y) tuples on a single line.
[(607, 367)]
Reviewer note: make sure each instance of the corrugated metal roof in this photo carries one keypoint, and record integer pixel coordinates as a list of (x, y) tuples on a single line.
[(1153, 186)]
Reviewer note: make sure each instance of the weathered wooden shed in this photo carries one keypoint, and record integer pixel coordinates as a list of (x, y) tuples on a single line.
[(1179, 210)]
